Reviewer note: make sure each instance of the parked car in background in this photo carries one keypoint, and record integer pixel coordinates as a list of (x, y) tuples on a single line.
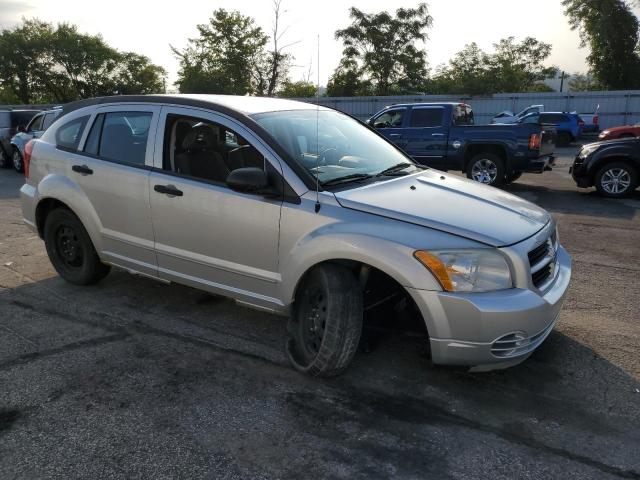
[(10, 121), (591, 121), (568, 126), (510, 117), (626, 131), (298, 210), (35, 128), (443, 136), (613, 167)]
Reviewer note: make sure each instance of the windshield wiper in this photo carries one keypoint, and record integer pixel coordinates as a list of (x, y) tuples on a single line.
[(346, 178), (394, 169)]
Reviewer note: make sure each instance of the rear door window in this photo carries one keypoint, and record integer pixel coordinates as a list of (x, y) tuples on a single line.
[(120, 137), (426, 117), (68, 135), (36, 124)]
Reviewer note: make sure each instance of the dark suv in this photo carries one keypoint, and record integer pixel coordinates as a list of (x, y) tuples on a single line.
[(10, 121)]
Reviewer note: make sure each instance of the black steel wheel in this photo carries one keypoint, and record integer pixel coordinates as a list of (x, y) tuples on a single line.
[(326, 324), (70, 249)]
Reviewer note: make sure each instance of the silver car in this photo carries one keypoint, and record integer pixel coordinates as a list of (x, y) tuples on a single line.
[(297, 210), (34, 129)]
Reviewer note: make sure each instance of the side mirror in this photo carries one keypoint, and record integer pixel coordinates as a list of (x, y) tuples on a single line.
[(21, 129), (249, 180)]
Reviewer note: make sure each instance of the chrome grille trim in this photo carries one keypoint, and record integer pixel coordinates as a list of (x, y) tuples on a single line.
[(542, 262)]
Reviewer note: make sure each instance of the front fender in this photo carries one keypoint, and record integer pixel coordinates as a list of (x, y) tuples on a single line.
[(609, 152), (63, 189)]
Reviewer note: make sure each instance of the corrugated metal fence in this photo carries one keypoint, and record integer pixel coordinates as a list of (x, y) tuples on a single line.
[(616, 107)]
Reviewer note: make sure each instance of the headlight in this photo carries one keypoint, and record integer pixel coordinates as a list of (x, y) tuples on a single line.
[(604, 133), (587, 150), (477, 270)]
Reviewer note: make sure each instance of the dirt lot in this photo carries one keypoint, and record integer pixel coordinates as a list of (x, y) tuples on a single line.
[(134, 378)]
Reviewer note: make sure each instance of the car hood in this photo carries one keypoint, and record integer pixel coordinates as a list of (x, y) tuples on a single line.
[(452, 204), (624, 128)]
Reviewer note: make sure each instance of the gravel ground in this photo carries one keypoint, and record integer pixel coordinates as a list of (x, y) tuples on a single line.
[(134, 378)]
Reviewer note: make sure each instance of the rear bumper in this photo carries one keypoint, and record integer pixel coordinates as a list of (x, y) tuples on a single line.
[(492, 330), (540, 164)]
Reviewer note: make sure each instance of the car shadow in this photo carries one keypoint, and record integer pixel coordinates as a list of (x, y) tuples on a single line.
[(150, 346)]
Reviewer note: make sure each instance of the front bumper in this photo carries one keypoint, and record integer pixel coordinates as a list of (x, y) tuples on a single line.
[(492, 330)]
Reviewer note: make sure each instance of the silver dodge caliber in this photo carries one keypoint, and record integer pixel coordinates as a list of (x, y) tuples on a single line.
[(297, 210)]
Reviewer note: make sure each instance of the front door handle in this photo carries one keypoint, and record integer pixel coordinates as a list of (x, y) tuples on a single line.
[(437, 134), (170, 190), (83, 169), (395, 135)]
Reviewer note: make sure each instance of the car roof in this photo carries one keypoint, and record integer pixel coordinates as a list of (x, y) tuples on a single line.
[(247, 105), (429, 104)]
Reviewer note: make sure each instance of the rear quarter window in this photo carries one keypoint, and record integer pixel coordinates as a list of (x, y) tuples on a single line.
[(68, 135)]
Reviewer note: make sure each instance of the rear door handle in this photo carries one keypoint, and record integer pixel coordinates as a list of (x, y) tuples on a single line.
[(437, 134), (395, 135), (83, 169), (170, 190)]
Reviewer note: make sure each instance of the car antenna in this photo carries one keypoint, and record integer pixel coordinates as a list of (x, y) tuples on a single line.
[(317, 207)]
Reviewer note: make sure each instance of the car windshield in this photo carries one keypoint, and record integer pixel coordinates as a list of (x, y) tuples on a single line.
[(332, 145)]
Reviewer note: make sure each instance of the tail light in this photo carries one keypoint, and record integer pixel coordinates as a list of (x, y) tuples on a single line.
[(28, 148), (596, 119), (534, 141)]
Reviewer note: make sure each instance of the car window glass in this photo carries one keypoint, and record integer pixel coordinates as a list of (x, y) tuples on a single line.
[(68, 135), (390, 119), (5, 119), (22, 118), (206, 150), (534, 118), (48, 120), (93, 139), (461, 115), (36, 124), (427, 117), (124, 137)]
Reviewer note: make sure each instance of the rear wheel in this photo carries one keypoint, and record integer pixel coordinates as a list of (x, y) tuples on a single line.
[(486, 168), (5, 161), (326, 324), (616, 180), (18, 164), (70, 249)]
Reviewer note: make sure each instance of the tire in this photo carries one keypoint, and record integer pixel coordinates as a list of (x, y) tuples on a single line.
[(512, 177), (17, 162), (616, 180), (326, 324), (486, 168), (564, 139), (70, 249), (5, 161)]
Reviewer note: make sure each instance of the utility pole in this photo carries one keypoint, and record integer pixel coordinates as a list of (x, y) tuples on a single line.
[(561, 81)]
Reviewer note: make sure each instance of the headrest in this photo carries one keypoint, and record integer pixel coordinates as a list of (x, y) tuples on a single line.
[(200, 137)]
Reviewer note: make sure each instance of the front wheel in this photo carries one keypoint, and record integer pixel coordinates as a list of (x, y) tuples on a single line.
[(616, 180), (326, 323), (18, 164), (70, 249), (486, 168)]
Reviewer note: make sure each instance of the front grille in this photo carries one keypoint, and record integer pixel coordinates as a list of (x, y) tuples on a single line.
[(542, 261)]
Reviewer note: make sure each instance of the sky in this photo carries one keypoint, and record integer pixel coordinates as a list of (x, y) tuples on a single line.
[(150, 27)]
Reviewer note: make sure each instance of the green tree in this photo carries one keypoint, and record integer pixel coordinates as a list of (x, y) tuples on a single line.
[(610, 30), (380, 50), (512, 67), (227, 57), (42, 63), (299, 89), (580, 82)]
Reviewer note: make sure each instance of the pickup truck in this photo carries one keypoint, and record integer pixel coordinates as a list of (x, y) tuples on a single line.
[(443, 136)]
